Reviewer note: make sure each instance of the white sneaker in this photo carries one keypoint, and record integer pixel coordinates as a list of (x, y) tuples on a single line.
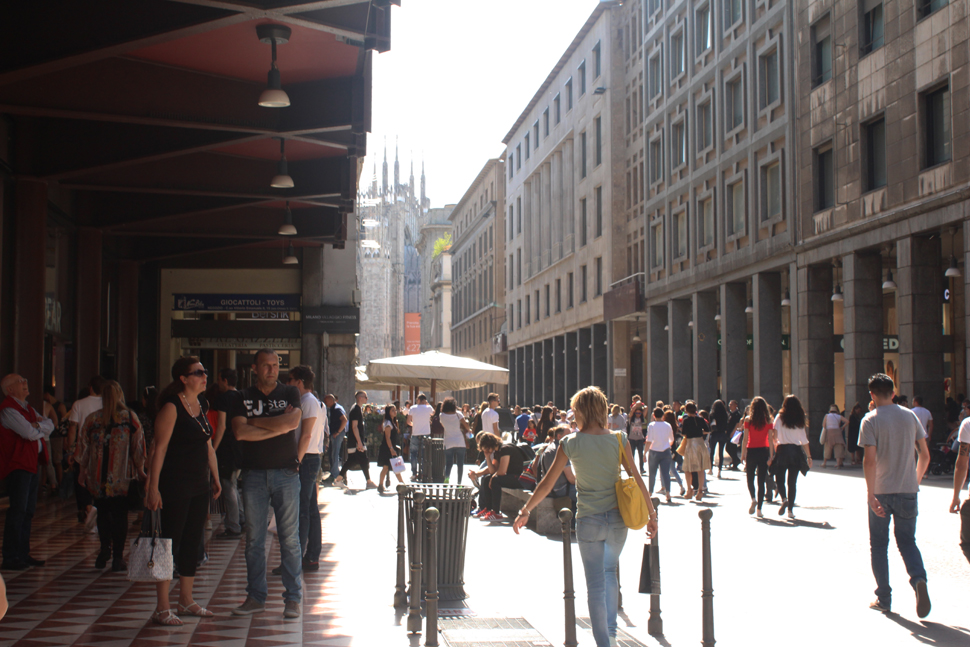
[(91, 520)]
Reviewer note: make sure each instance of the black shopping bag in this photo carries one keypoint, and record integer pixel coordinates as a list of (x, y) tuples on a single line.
[(646, 574)]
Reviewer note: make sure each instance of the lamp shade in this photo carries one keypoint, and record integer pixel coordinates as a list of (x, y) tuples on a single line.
[(274, 98), (953, 271), (282, 179), (889, 284), (290, 258), (750, 308), (837, 293), (787, 300), (287, 228)]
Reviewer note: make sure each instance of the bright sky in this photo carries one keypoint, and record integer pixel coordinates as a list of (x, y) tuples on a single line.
[(458, 75)]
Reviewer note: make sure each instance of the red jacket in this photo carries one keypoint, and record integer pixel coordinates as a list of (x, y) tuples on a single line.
[(16, 452)]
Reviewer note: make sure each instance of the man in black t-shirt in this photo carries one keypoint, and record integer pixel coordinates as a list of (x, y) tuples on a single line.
[(266, 422), (228, 453), (734, 418), (356, 443)]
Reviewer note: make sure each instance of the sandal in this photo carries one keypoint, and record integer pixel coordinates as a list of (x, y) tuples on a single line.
[(166, 618), (194, 609)]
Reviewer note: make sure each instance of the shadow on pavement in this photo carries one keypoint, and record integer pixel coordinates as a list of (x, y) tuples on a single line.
[(820, 525), (933, 633)]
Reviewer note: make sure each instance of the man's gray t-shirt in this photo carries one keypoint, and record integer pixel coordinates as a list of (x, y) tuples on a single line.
[(893, 430)]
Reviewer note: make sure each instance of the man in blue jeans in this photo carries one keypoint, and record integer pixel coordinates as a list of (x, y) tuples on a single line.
[(889, 433), (337, 418), (266, 421)]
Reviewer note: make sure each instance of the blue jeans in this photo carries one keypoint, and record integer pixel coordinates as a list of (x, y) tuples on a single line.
[(310, 531), (661, 461), (230, 497), (21, 486), (417, 452), (601, 538), (281, 490), (455, 456), (336, 446), (903, 510), (637, 447)]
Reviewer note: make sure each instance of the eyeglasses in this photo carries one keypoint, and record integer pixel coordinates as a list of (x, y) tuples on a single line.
[(197, 373)]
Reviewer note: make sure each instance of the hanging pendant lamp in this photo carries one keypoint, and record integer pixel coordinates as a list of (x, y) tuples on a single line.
[(282, 179), (287, 228), (273, 96)]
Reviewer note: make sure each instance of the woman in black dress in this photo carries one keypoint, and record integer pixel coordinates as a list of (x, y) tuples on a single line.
[(855, 421), (390, 446), (183, 464)]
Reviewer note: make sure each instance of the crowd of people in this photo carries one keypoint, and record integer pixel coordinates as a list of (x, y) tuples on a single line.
[(258, 453)]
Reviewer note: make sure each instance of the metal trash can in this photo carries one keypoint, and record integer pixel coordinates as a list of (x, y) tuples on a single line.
[(454, 502), (431, 469)]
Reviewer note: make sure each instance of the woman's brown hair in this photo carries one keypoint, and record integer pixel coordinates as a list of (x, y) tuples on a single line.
[(179, 370), (589, 405), (759, 416)]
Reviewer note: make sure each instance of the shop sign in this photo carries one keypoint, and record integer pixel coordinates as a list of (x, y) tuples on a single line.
[(271, 316), (52, 314), (236, 302), (619, 372), (890, 343), (412, 333), (333, 320), (243, 343)]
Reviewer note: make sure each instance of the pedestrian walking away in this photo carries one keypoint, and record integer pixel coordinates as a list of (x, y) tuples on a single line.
[(266, 421), (834, 425), (357, 446), (456, 431), (635, 432), (419, 419), (182, 460), (789, 451), (755, 451), (600, 530), (889, 434), (390, 446), (697, 458), (660, 438)]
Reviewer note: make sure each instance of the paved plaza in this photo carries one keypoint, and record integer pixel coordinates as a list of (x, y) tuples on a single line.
[(775, 581)]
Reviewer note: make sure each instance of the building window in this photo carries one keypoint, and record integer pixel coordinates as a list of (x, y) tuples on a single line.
[(557, 109), (872, 26), (654, 74), (821, 51), (705, 126), (548, 300), (537, 305), (597, 60), (518, 209), (598, 193), (511, 165), (582, 78), (569, 290), (734, 104), (599, 276), (511, 222), (528, 311), (676, 55), (926, 7), (518, 266), (732, 13), (583, 281), (770, 85), (706, 222), (936, 126), (558, 296), (824, 178), (656, 160), (535, 133), (680, 234), (569, 94), (678, 145), (657, 243), (598, 124), (702, 28), (545, 122), (518, 157), (511, 318), (735, 208), (511, 271), (874, 134), (582, 222), (527, 146), (771, 191), (582, 155)]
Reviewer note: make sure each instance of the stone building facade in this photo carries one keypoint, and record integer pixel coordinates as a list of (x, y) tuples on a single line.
[(434, 225), (478, 327)]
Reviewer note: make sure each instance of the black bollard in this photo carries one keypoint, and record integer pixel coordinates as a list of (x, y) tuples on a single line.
[(655, 624), (707, 590), (431, 515), (414, 613), (569, 595), (400, 589)]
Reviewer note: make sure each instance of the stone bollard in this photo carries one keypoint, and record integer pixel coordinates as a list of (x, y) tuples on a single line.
[(707, 590), (400, 589), (431, 515), (569, 595), (655, 624), (414, 613)]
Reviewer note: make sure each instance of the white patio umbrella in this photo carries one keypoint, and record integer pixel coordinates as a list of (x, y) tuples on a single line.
[(437, 370), (363, 382)]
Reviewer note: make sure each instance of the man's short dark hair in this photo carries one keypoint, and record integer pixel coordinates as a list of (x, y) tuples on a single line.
[(918, 400), (49, 390), (263, 351), (230, 376), (537, 408), (95, 384), (492, 397), (422, 397), (304, 373), (881, 384), (690, 407), (658, 413)]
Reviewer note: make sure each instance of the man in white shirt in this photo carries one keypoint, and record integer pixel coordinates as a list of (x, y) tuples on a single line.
[(22, 432), (83, 408), (959, 478), (313, 430), (419, 418), (924, 415), (660, 436), (490, 416)]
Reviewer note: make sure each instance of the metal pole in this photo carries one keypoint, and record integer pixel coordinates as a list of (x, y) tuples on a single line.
[(655, 625), (414, 613), (400, 589), (707, 592), (431, 515), (569, 595)]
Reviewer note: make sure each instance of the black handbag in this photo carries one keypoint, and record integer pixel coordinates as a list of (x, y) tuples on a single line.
[(646, 571)]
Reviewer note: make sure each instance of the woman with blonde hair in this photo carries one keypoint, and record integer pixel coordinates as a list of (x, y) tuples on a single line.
[(111, 449), (595, 454)]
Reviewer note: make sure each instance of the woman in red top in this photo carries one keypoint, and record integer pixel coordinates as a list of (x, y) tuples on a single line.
[(754, 450)]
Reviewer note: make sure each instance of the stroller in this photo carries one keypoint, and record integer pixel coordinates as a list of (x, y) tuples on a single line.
[(942, 459)]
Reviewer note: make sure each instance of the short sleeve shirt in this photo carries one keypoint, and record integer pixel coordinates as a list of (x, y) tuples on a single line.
[(893, 430), (924, 416), (229, 453), (84, 408), (421, 419), (596, 462), (279, 452), (356, 415), (659, 433), (516, 460), (489, 416), (963, 436), (311, 408)]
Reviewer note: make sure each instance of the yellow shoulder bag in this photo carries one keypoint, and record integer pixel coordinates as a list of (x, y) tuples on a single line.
[(629, 498)]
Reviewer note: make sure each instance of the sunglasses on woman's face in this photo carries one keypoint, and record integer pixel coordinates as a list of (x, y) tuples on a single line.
[(197, 373)]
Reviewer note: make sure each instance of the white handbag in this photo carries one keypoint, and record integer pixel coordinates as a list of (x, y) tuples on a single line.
[(397, 464), (150, 559)]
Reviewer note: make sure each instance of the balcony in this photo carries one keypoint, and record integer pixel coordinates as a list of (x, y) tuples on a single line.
[(625, 297)]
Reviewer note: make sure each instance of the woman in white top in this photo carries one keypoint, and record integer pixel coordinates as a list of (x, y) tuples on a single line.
[(789, 451), (455, 429), (616, 421), (833, 435)]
